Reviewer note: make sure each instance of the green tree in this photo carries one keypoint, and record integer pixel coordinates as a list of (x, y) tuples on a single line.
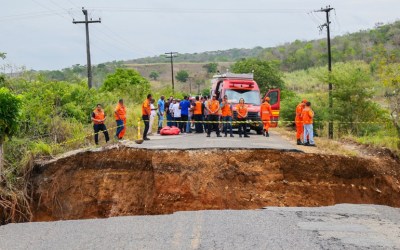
[(10, 106), (211, 67), (266, 74), (182, 75), (154, 75), (2, 77), (390, 77), (205, 92), (123, 78), (352, 98)]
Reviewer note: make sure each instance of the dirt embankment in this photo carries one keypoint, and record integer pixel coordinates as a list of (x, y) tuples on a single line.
[(128, 181)]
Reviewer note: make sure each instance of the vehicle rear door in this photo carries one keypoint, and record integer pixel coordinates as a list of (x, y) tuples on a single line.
[(275, 101)]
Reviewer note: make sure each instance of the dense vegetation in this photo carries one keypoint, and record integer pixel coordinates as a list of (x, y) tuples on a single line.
[(53, 117)]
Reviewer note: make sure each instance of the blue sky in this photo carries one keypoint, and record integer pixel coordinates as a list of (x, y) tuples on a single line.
[(39, 34)]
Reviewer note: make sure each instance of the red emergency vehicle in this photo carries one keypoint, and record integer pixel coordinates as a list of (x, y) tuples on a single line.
[(237, 86)]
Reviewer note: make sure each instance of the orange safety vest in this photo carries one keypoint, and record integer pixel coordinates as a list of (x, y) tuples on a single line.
[(213, 106), (307, 115), (226, 110), (265, 111), (98, 115), (197, 108), (146, 108), (299, 110), (242, 110), (121, 111)]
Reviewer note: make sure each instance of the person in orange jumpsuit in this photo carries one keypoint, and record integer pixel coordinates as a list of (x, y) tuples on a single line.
[(242, 113), (120, 118), (98, 118), (226, 108), (213, 117), (299, 122), (265, 114), (308, 117), (146, 111)]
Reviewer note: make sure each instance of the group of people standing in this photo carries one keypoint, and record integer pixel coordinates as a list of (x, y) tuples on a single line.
[(99, 117), (304, 124), (207, 115)]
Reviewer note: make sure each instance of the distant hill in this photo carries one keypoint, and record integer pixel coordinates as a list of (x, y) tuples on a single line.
[(230, 55), (362, 45), (196, 71)]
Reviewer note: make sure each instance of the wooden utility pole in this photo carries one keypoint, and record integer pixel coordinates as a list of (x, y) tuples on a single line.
[(89, 64), (171, 56), (327, 10), (190, 78)]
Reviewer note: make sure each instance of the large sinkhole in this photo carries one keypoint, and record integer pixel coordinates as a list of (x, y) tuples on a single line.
[(130, 181)]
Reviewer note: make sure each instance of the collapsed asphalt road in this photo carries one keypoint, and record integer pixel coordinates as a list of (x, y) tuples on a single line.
[(337, 227), (192, 172), (195, 141)]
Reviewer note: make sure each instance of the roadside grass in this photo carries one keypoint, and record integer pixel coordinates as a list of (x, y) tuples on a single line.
[(379, 141), (324, 145)]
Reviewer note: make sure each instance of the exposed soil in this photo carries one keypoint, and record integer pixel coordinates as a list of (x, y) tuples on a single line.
[(129, 181)]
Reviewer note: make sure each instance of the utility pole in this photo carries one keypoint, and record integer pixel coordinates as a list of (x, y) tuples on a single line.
[(171, 56), (190, 78), (327, 10), (89, 64)]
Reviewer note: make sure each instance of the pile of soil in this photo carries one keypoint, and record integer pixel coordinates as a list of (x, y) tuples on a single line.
[(131, 181)]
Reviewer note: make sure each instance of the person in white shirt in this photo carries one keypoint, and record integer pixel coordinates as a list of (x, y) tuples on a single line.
[(171, 111), (177, 114), (152, 116)]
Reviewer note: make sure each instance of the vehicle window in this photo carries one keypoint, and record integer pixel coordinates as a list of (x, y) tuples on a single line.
[(249, 96), (273, 96)]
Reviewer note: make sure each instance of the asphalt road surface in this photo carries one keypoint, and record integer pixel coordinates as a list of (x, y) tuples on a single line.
[(191, 141), (337, 227)]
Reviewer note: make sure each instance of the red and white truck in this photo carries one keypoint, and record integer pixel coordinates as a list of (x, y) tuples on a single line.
[(237, 86)]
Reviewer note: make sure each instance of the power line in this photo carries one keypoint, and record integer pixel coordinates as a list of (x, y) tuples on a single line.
[(87, 22), (216, 11), (120, 38), (73, 4), (337, 22), (29, 15), (111, 40), (45, 7), (98, 46)]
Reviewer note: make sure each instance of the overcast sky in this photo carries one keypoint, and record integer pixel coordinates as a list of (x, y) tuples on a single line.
[(39, 34)]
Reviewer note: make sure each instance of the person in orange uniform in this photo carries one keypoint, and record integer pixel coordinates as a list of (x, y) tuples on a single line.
[(299, 122), (98, 118), (198, 115), (146, 111), (265, 114), (120, 118), (226, 109), (242, 113), (307, 115), (213, 117)]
